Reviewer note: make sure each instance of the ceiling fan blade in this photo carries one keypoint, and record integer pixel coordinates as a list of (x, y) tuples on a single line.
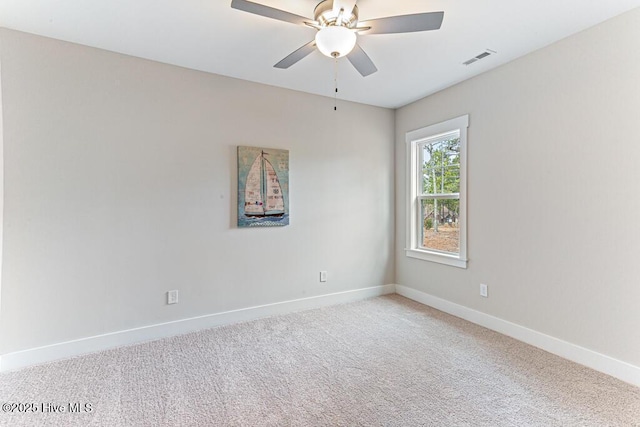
[(361, 61), (269, 12), (404, 23), (297, 55)]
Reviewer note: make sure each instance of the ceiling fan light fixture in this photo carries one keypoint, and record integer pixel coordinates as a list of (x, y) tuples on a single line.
[(335, 41)]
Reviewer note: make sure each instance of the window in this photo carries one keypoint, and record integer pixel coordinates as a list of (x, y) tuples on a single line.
[(436, 208)]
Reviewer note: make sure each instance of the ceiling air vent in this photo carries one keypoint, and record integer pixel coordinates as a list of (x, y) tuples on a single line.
[(479, 57)]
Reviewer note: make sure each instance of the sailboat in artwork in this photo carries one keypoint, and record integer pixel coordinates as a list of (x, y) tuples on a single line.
[(262, 192)]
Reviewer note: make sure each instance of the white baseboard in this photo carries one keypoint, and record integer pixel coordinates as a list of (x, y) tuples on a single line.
[(600, 362), (67, 349)]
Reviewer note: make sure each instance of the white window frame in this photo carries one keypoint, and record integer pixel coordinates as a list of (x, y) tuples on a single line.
[(414, 139)]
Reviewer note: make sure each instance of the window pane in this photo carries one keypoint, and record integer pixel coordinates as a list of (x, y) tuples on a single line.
[(440, 230), (441, 167)]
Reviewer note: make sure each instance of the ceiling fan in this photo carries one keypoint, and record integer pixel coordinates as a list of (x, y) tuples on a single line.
[(338, 26)]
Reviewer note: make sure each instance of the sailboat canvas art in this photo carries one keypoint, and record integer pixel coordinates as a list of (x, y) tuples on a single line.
[(263, 187)]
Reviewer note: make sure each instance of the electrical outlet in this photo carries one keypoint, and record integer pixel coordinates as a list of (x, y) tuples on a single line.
[(172, 297), (484, 290), (323, 276)]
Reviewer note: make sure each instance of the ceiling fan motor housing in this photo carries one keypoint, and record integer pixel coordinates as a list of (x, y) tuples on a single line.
[(327, 17)]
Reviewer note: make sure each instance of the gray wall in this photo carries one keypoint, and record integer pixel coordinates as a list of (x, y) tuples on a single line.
[(553, 205), (120, 184)]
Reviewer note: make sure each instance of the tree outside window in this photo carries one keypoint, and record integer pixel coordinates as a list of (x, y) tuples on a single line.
[(440, 201)]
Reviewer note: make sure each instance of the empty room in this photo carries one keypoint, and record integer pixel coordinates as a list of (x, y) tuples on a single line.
[(319, 213)]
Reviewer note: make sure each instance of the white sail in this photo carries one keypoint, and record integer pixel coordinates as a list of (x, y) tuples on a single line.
[(262, 192), (274, 197), (253, 203)]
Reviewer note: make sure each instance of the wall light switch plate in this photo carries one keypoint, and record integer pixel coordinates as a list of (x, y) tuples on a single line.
[(323, 276)]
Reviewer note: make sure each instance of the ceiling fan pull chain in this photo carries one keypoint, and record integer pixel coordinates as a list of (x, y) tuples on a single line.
[(335, 83)]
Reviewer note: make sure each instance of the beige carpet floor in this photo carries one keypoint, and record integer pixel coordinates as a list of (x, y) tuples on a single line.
[(380, 362)]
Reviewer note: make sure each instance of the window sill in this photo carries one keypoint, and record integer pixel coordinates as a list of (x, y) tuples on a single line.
[(440, 258)]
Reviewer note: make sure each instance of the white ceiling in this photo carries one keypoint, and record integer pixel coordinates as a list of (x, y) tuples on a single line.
[(208, 35)]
